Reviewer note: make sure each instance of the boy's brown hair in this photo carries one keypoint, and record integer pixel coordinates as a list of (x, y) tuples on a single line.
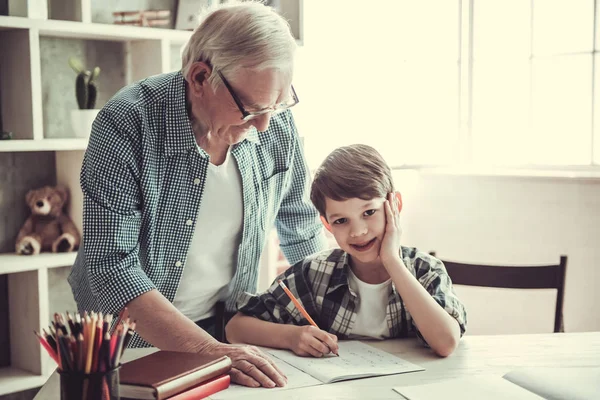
[(355, 171)]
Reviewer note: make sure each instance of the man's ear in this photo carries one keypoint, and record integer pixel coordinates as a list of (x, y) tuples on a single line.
[(198, 77), (325, 223), (399, 198)]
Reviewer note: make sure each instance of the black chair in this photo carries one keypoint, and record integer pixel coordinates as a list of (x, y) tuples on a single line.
[(222, 317), (514, 277)]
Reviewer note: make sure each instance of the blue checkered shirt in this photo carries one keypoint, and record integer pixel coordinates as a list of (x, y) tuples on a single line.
[(320, 283), (142, 181)]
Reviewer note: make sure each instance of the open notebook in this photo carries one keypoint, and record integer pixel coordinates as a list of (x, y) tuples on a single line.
[(520, 384), (357, 360)]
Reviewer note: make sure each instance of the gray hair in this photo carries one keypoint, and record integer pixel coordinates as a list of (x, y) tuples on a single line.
[(237, 35)]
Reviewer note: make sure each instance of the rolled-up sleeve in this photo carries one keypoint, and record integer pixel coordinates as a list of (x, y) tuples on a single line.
[(112, 216), (298, 225)]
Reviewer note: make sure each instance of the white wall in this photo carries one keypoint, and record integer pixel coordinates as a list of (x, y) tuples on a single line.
[(511, 220)]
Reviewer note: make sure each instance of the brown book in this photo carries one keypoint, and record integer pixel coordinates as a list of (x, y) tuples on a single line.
[(166, 373)]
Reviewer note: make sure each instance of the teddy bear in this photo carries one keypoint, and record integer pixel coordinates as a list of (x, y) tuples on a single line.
[(48, 228)]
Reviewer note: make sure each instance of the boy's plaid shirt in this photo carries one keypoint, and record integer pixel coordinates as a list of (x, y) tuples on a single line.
[(320, 283)]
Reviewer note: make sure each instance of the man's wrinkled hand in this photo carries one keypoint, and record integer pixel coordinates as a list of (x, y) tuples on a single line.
[(250, 366)]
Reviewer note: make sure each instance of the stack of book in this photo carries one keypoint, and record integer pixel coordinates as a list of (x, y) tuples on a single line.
[(174, 376), (143, 18)]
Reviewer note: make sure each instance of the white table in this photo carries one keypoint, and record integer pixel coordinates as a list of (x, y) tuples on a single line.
[(476, 355)]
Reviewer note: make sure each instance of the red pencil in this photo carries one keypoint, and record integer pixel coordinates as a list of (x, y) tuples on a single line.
[(47, 346), (98, 343)]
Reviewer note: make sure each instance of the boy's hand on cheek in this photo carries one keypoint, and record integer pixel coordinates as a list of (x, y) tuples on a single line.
[(390, 245)]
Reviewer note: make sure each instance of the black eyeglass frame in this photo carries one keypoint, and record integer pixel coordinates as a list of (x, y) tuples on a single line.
[(247, 115)]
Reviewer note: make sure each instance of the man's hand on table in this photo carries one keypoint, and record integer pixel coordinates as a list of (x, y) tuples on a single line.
[(250, 366)]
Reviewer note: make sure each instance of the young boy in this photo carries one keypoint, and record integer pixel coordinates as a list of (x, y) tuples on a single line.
[(371, 287)]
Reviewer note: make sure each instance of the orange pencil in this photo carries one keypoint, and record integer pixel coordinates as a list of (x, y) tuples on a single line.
[(119, 319), (299, 306)]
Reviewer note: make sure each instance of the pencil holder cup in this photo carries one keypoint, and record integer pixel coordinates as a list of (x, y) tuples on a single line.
[(95, 386)]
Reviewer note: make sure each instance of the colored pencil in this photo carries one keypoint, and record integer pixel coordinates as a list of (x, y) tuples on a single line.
[(299, 307)]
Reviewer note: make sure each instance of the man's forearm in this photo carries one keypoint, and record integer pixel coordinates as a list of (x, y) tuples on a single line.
[(165, 327), (439, 329), (250, 330)]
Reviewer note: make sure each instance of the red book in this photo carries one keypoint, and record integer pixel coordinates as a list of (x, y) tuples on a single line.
[(206, 389)]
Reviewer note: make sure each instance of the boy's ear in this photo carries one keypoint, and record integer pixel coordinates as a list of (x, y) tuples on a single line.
[(325, 223), (399, 198)]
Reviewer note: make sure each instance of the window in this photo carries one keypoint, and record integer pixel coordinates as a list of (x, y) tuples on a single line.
[(439, 82)]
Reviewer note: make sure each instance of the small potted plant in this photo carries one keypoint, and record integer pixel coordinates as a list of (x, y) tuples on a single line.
[(86, 92)]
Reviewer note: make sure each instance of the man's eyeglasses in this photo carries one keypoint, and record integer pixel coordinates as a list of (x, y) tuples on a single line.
[(247, 115)]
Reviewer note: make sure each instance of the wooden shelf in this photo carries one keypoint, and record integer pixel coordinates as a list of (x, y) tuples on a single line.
[(11, 263), (15, 380), (20, 145), (91, 31)]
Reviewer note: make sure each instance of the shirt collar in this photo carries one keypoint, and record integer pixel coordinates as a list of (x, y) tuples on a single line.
[(339, 275), (180, 136)]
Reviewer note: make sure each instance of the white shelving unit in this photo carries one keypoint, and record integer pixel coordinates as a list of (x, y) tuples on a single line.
[(148, 53), (12, 146)]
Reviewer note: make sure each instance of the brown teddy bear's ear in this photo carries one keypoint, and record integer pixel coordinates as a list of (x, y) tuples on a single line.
[(29, 197), (63, 192)]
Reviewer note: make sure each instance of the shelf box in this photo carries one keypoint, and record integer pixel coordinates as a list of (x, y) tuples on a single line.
[(70, 10), (58, 79), (16, 94), (37, 9)]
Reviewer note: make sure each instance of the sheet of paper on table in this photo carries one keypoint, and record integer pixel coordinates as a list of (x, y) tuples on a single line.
[(468, 388)]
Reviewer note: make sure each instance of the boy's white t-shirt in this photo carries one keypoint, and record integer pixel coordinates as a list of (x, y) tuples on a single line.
[(371, 320), (213, 251)]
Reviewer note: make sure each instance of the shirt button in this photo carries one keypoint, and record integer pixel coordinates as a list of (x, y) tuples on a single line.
[(197, 181), (178, 264), (189, 222)]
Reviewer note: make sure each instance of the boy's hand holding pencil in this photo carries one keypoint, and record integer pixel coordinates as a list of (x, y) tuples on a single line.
[(310, 340)]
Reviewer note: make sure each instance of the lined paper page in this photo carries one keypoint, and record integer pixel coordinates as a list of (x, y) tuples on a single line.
[(356, 360)]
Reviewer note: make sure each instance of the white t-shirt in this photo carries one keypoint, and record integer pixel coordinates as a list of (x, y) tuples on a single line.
[(213, 251), (371, 308)]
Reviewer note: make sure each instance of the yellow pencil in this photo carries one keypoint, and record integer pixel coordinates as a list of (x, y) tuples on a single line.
[(90, 342)]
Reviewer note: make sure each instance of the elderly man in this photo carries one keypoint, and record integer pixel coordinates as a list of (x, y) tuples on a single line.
[(183, 178)]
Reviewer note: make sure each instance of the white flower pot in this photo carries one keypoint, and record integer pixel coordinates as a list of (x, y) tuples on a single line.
[(81, 122)]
